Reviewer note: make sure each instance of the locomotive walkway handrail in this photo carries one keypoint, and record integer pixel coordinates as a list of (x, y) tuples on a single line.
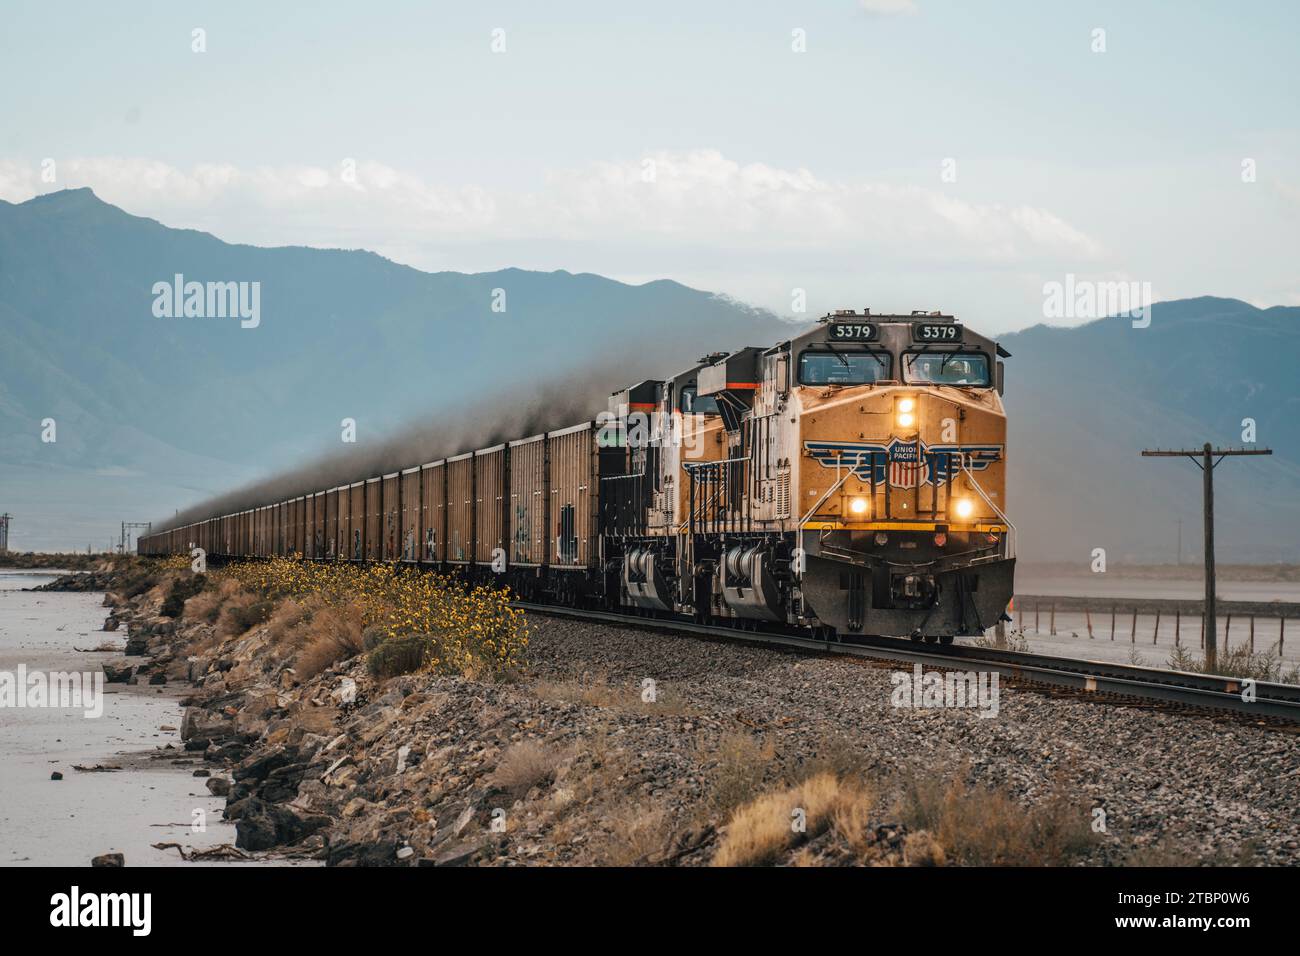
[(1011, 528), (829, 491)]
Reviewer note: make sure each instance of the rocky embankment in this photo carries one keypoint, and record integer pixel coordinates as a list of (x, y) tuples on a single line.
[(628, 747)]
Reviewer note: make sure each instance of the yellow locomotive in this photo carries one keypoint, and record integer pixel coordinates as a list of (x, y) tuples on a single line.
[(851, 479)]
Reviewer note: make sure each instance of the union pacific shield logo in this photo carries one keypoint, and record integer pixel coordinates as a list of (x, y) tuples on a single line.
[(906, 464)]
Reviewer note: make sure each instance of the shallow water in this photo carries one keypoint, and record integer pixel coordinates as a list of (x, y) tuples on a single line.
[(44, 822)]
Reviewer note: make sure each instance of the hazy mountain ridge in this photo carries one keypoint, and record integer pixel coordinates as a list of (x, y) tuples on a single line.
[(155, 414)]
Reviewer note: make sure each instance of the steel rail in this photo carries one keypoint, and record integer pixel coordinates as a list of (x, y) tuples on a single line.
[(1272, 701)]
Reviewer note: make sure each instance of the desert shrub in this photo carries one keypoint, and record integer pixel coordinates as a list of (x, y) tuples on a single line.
[(250, 615), (136, 582), (400, 655), (208, 604), (288, 618), (373, 636), (331, 635), (183, 588)]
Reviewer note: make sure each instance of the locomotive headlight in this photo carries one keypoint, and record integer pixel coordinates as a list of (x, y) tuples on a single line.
[(905, 412), (964, 507), (858, 506)]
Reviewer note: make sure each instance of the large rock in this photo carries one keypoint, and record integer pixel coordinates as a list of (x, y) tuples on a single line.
[(108, 859), (198, 723), (116, 672), (371, 853), (258, 768), (262, 826)]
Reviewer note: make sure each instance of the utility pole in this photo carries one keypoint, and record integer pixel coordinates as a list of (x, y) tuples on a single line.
[(1205, 459), (4, 531), (128, 526)]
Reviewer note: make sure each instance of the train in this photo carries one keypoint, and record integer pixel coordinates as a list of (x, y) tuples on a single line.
[(848, 481)]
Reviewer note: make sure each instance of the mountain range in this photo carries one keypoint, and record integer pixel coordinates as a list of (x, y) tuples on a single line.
[(155, 412)]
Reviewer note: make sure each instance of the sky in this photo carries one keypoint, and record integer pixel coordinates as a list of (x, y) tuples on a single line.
[(891, 154)]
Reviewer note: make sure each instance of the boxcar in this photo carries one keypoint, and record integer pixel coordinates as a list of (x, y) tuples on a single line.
[(371, 534), (433, 503), (573, 524), (490, 498), (334, 526), (460, 509), (356, 520), (390, 504), (528, 500), (410, 517)]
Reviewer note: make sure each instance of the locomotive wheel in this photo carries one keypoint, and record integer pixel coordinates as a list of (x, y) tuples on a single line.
[(947, 638)]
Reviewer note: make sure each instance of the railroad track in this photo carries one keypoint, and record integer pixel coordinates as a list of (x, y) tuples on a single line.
[(1276, 702)]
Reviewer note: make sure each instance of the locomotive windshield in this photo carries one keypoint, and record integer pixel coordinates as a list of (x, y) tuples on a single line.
[(842, 368), (947, 368), (693, 404)]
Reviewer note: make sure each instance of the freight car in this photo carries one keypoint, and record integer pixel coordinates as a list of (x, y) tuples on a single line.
[(850, 480)]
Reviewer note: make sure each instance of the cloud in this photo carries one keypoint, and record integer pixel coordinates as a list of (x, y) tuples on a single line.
[(668, 201), (888, 8)]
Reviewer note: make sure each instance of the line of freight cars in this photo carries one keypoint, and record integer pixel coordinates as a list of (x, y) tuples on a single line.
[(527, 504)]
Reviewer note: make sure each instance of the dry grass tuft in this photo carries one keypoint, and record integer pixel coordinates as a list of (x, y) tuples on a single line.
[(761, 830), (835, 754), (984, 827), (208, 604), (742, 765), (289, 616), (636, 837), (525, 765), (332, 634), (1239, 661)]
